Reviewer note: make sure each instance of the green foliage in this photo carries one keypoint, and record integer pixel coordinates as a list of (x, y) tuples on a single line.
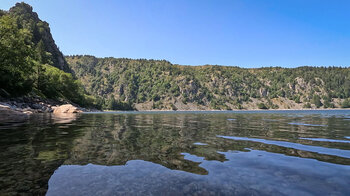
[(327, 103), (25, 63), (317, 101), (274, 106), (140, 81), (346, 103), (112, 104), (307, 105), (297, 99), (262, 106), (16, 62), (40, 32), (56, 83)]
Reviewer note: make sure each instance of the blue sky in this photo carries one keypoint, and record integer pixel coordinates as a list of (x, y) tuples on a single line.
[(246, 33)]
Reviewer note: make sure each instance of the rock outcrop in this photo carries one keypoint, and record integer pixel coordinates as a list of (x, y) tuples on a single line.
[(66, 109)]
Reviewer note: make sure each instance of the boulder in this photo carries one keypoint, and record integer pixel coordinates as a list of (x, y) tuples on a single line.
[(67, 108), (37, 106)]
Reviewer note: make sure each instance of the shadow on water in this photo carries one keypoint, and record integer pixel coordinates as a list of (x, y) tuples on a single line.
[(177, 153)]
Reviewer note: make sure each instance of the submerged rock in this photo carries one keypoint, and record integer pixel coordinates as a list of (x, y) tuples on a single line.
[(67, 108)]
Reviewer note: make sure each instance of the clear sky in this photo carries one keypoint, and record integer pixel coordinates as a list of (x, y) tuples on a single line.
[(246, 33)]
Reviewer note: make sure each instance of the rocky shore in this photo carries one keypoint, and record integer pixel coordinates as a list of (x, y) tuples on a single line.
[(19, 109), (28, 105)]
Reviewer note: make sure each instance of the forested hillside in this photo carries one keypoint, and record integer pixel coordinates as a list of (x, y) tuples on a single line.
[(30, 61), (121, 83)]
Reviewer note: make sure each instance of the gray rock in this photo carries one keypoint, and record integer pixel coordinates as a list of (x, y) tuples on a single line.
[(48, 110), (37, 106)]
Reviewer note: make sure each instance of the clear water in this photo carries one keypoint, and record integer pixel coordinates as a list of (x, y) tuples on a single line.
[(178, 153)]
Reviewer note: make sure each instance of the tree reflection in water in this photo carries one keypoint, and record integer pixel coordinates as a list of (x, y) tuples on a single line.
[(140, 148)]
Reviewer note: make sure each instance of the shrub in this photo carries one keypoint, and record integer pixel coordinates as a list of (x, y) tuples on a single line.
[(317, 101), (346, 103), (262, 106), (307, 105)]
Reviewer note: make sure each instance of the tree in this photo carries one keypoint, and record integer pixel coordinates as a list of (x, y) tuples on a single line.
[(262, 106), (16, 57), (327, 103), (111, 103), (41, 55), (346, 103), (297, 99), (317, 101)]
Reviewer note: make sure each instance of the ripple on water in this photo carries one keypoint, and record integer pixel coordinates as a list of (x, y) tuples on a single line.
[(317, 149), (177, 152), (324, 140)]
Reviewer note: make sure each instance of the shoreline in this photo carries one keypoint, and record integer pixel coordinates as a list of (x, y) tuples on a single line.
[(244, 110), (20, 108)]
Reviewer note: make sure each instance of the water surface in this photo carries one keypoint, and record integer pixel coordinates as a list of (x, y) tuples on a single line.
[(178, 153)]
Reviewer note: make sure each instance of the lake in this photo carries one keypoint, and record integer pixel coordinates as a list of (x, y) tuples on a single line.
[(178, 153)]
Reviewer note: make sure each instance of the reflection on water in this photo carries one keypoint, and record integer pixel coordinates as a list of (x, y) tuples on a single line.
[(173, 153), (325, 140), (316, 149)]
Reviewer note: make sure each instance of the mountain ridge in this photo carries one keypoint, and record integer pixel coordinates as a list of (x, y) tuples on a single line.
[(209, 87)]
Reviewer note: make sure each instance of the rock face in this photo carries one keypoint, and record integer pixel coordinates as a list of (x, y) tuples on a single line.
[(42, 32), (67, 108)]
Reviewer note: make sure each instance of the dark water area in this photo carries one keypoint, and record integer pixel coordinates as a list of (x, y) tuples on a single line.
[(178, 153)]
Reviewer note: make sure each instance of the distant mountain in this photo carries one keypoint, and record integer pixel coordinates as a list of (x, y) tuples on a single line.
[(158, 84)]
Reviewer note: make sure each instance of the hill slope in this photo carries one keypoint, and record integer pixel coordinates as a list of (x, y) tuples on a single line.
[(30, 62), (40, 32), (154, 84)]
